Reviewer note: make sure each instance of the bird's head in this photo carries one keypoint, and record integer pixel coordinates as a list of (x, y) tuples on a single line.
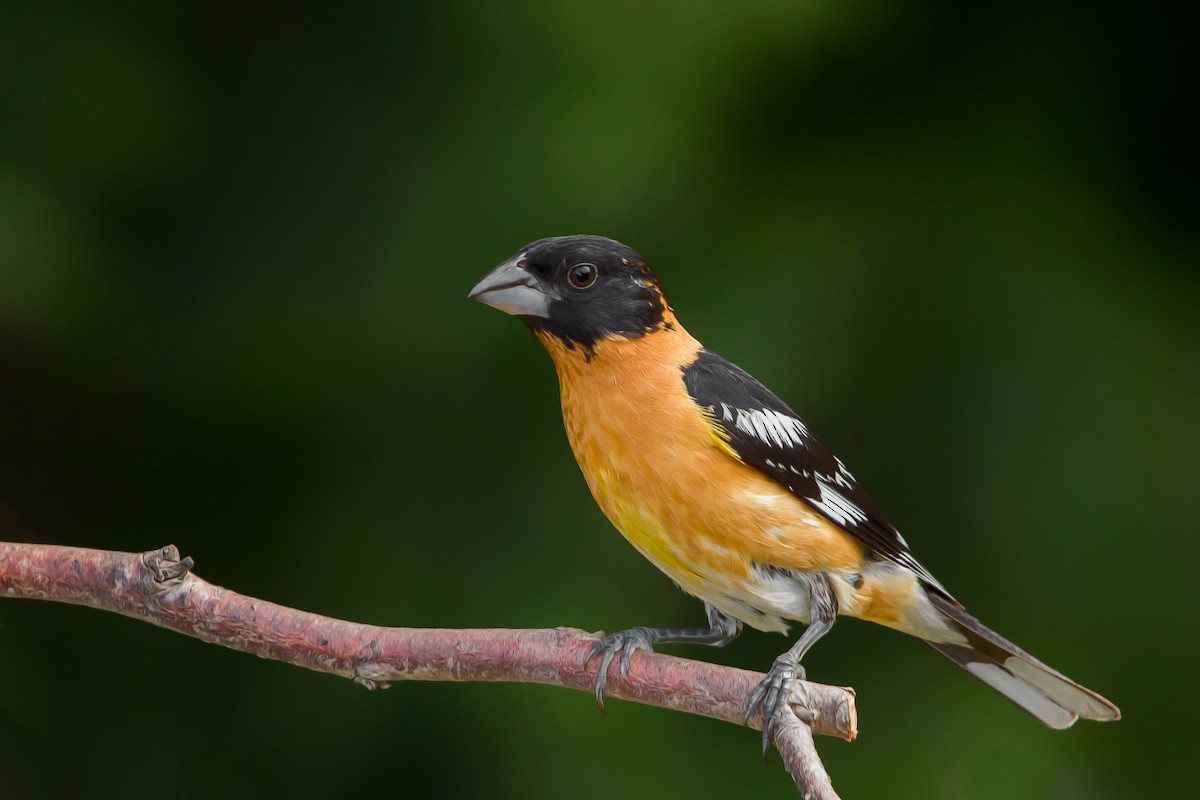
[(579, 289)]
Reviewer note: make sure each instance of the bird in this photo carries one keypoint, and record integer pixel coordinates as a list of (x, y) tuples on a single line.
[(726, 490)]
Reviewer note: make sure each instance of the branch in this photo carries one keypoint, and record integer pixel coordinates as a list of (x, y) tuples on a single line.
[(158, 587)]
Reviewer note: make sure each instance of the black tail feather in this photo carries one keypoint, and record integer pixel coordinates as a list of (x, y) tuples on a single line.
[(1051, 697)]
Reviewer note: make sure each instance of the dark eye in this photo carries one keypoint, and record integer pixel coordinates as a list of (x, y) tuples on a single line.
[(582, 275)]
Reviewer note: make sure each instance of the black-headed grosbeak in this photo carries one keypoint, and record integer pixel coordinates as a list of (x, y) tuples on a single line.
[(724, 488)]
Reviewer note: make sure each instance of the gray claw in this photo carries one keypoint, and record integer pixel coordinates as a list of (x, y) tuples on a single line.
[(771, 694), (624, 642)]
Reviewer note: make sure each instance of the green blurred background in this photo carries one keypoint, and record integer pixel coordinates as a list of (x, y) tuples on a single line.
[(235, 246)]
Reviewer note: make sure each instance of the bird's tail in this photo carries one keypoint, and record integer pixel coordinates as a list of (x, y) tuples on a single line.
[(1053, 698)]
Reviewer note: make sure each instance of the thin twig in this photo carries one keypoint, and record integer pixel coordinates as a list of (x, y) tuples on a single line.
[(159, 587)]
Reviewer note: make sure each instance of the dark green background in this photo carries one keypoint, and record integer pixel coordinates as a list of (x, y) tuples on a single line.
[(235, 244)]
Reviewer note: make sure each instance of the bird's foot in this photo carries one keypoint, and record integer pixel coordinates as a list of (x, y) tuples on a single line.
[(624, 642), (772, 694)]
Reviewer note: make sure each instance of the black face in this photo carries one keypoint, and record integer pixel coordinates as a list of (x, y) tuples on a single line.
[(596, 288)]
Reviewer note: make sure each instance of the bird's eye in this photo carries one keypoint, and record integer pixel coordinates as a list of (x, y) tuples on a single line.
[(582, 275)]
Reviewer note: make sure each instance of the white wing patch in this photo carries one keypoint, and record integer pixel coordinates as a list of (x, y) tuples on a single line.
[(836, 506), (843, 476), (769, 427)]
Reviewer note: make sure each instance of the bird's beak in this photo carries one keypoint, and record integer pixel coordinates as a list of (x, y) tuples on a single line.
[(514, 290)]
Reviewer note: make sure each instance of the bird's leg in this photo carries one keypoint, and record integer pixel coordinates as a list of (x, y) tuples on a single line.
[(772, 693), (722, 629)]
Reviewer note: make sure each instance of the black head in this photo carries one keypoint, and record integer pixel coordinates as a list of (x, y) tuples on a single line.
[(579, 288)]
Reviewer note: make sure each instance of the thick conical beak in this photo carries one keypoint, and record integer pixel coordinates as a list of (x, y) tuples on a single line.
[(514, 290)]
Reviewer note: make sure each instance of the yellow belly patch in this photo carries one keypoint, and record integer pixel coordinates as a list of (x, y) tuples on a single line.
[(641, 530)]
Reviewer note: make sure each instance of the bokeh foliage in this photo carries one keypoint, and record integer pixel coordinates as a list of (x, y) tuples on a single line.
[(235, 243)]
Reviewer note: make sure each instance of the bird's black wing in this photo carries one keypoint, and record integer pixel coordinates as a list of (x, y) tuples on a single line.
[(769, 436)]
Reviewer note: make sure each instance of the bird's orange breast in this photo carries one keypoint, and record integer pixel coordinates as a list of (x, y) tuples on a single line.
[(672, 486)]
